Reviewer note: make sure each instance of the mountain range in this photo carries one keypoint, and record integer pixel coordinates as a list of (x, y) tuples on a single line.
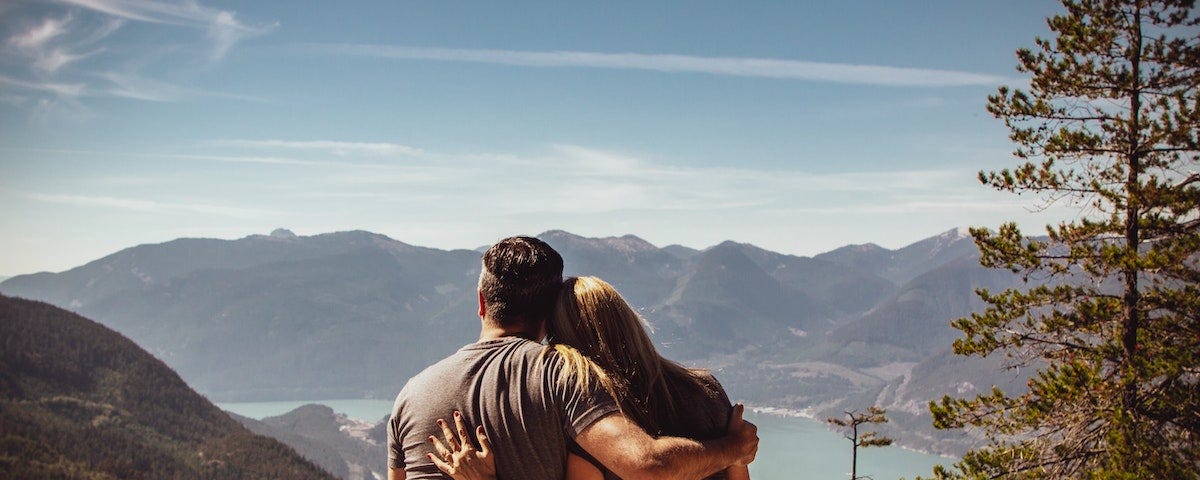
[(354, 314)]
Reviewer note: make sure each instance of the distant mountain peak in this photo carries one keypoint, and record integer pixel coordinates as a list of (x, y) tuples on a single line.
[(630, 242), (865, 247), (680, 251), (558, 234), (947, 239), (624, 243), (282, 233), (956, 233)]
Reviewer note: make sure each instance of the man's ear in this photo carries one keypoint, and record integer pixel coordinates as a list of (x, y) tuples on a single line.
[(482, 304)]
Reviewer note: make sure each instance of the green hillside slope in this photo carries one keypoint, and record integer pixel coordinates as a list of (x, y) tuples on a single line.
[(78, 400)]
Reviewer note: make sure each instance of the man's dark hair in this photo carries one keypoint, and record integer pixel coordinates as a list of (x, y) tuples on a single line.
[(520, 281)]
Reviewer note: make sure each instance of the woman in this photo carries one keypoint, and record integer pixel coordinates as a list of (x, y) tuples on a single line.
[(661, 396)]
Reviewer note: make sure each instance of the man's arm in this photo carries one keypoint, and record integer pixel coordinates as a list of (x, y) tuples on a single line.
[(629, 452), (396, 474), (737, 472)]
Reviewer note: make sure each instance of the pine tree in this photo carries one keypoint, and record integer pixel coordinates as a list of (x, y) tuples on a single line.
[(1111, 315), (854, 418)]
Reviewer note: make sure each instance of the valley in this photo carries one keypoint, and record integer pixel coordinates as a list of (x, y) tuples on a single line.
[(354, 314)]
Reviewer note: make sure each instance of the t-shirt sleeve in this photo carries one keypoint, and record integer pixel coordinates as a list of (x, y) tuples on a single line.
[(581, 406), (395, 446), (703, 407), (719, 399)]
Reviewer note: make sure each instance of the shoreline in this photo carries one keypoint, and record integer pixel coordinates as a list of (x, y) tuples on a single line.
[(808, 413), (783, 412)]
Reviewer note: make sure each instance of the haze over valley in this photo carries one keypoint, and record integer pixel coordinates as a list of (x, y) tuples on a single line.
[(354, 314)]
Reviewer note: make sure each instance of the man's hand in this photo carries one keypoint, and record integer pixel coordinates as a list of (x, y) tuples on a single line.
[(744, 435)]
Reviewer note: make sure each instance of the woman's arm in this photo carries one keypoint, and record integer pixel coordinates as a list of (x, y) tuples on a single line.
[(737, 472)]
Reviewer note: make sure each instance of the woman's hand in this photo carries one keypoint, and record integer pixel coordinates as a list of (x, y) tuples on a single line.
[(458, 457)]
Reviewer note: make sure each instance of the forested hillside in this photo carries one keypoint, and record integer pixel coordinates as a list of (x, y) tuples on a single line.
[(78, 400)]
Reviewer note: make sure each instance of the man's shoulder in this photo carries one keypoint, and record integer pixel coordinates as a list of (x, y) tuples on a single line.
[(433, 373), (501, 349), (707, 379)]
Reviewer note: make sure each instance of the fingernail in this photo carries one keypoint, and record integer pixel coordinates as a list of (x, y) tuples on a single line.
[(457, 413), (441, 422)]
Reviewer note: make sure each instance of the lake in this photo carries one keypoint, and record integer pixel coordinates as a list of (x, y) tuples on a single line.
[(790, 448)]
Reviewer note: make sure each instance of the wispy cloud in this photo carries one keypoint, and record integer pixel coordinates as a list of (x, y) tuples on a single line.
[(137, 87), (568, 179), (150, 206), (60, 48), (121, 85), (48, 45), (335, 147), (599, 162), (941, 206), (574, 179), (732, 66), (221, 26), (56, 58), (37, 36), (249, 159), (64, 89)]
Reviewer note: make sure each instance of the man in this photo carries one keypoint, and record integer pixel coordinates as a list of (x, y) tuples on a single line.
[(507, 383)]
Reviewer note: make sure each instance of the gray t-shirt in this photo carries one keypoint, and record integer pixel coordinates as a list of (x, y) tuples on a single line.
[(508, 385)]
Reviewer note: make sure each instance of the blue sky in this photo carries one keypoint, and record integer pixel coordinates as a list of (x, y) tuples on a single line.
[(796, 127)]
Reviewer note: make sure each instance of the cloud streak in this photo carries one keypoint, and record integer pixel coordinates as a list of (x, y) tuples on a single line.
[(147, 89), (121, 85), (573, 179), (335, 147), (221, 26), (58, 42), (729, 66), (566, 180), (49, 46), (36, 37), (62, 89), (150, 206)]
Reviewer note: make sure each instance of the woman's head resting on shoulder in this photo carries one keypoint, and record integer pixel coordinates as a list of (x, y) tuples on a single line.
[(593, 317)]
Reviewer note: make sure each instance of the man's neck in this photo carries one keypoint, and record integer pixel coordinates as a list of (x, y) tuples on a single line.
[(491, 330)]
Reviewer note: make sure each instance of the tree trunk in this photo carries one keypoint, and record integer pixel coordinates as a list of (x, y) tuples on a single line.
[(1132, 297), (854, 455)]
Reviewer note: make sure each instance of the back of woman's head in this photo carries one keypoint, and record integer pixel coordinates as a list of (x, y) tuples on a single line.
[(593, 317)]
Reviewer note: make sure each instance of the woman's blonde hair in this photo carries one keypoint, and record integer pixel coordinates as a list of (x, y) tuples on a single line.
[(592, 317)]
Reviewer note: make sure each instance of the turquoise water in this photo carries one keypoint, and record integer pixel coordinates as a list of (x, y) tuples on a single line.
[(790, 448), (794, 448)]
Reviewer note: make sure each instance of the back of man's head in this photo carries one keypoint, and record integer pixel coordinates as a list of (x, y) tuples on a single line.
[(520, 281)]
